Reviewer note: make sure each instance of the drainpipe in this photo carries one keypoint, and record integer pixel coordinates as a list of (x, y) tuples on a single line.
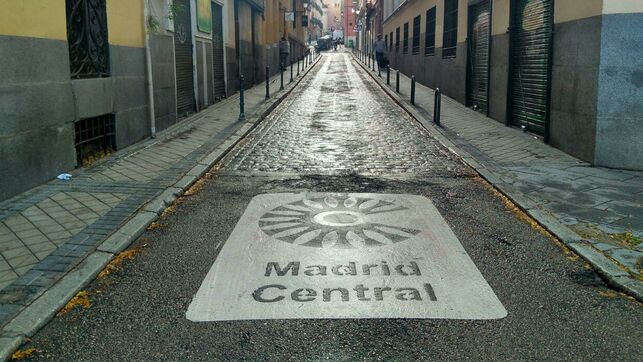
[(148, 66)]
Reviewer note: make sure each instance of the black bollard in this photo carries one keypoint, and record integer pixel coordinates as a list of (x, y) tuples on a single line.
[(242, 114), (282, 78), (388, 76), (436, 106), (397, 81), (298, 60), (290, 70), (267, 82), (413, 90)]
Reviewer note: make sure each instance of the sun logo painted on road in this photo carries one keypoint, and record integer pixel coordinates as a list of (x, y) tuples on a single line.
[(334, 222)]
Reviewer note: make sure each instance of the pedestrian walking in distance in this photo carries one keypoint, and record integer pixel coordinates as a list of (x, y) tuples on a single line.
[(284, 52), (380, 51)]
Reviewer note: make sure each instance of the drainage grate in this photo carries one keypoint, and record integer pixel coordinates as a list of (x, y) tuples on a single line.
[(95, 139)]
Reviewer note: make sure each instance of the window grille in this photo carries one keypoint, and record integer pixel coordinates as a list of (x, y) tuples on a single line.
[(450, 38), (405, 46), (397, 40), (87, 38), (390, 38), (95, 138), (416, 34), (429, 45)]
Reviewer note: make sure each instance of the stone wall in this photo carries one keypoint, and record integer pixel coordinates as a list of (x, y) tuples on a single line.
[(40, 103)]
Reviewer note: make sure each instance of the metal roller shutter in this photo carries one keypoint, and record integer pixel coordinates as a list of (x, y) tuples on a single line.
[(217, 52), (185, 102), (479, 28), (531, 43)]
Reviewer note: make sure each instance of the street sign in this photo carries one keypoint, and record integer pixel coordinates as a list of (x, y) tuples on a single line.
[(289, 16), (321, 255)]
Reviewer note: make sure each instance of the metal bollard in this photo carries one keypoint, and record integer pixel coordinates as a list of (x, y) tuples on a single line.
[(388, 76), (369, 60), (267, 82), (298, 60), (291, 70), (282, 78), (397, 81), (436, 106), (413, 90), (242, 113)]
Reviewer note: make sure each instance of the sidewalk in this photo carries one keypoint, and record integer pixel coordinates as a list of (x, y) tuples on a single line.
[(596, 211), (72, 227)]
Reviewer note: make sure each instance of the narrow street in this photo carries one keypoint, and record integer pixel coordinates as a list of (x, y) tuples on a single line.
[(339, 229)]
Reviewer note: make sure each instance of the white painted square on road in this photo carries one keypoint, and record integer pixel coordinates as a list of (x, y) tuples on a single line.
[(323, 255)]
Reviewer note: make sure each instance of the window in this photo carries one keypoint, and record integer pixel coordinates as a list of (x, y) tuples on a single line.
[(405, 47), (386, 39), (429, 43), (390, 38), (87, 38), (94, 138), (397, 40), (416, 34), (450, 38)]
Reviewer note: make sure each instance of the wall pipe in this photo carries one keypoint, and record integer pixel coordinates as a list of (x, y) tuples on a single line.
[(148, 64)]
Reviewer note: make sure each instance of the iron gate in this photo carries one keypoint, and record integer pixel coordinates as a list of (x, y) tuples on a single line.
[(217, 52), (479, 32), (185, 102), (532, 24)]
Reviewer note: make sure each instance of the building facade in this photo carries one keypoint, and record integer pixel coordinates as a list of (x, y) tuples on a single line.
[(349, 23), (566, 70), (67, 100), (335, 9)]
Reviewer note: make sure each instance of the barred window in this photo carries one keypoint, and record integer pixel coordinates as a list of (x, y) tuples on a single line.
[(429, 44), (390, 38), (397, 40), (450, 37), (416, 34), (87, 38), (405, 46)]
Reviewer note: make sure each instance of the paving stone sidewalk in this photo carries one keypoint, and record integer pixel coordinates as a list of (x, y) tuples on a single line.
[(603, 207), (47, 231)]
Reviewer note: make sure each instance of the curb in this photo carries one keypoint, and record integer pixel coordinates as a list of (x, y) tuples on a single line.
[(608, 270), (35, 316)]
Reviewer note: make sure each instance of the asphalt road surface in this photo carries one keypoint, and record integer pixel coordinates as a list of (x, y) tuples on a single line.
[(338, 133)]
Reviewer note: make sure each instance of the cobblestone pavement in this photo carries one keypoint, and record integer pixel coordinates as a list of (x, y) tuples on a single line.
[(331, 127), (603, 206)]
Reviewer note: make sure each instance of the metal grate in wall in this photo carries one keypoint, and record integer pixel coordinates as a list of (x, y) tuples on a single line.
[(95, 138), (478, 56)]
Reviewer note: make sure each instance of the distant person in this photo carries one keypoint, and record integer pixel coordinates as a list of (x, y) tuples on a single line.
[(380, 51), (284, 52)]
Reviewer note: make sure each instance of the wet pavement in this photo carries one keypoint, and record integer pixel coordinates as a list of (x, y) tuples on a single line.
[(341, 144)]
